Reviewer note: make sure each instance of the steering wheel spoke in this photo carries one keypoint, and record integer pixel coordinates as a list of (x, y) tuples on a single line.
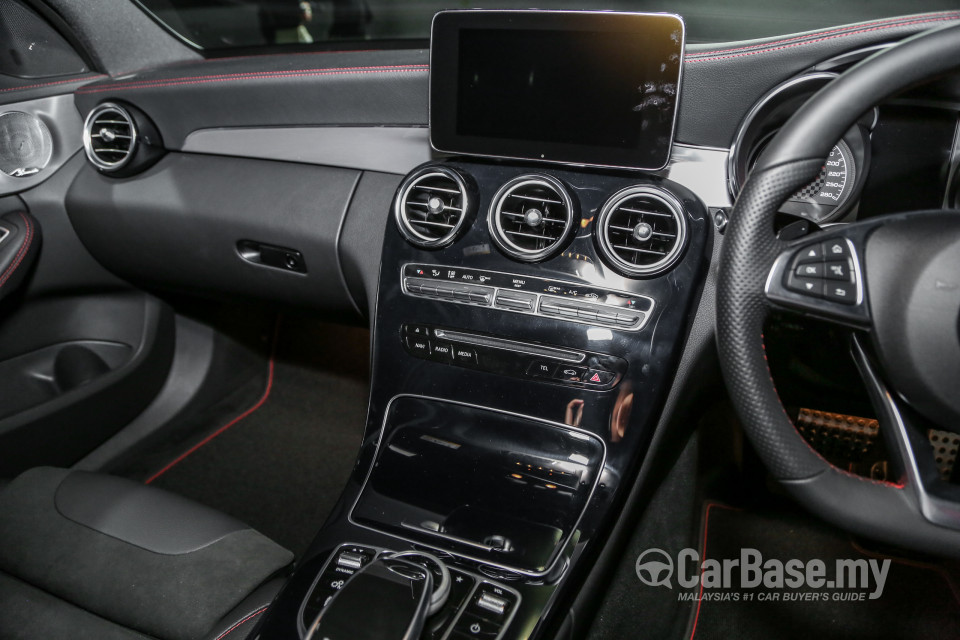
[(822, 275), (904, 433), (896, 277)]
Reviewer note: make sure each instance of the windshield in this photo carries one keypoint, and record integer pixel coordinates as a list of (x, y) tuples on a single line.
[(228, 24)]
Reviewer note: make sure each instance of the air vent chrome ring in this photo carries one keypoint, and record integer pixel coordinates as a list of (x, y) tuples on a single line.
[(645, 238), (432, 206), (532, 217), (109, 137)]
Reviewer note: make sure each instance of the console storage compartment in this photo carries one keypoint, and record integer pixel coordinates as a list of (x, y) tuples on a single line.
[(496, 487)]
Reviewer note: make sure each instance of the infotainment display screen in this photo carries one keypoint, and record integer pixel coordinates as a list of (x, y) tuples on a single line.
[(586, 88)]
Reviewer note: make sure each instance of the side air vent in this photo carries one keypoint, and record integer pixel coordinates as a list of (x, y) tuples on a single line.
[(532, 218), (642, 231), (109, 137), (432, 207)]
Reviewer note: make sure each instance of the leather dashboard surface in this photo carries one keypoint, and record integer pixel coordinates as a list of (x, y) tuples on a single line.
[(384, 88)]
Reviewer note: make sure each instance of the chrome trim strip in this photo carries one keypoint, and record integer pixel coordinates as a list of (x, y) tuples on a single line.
[(385, 149), (561, 546), (399, 150), (703, 170), (953, 175), (511, 345)]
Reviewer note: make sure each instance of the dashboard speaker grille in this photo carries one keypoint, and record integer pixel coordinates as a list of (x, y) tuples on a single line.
[(25, 144), (532, 217), (642, 231), (432, 206), (109, 137)]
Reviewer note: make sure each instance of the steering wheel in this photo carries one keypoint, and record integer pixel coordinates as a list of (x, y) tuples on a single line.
[(894, 279)]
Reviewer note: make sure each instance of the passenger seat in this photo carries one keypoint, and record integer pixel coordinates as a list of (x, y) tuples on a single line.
[(90, 556)]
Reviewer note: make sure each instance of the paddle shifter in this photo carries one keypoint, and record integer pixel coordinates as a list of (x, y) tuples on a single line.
[(402, 589)]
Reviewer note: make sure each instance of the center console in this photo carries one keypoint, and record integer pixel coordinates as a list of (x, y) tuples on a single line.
[(530, 317)]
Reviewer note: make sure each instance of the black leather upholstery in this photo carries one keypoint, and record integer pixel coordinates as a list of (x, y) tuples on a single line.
[(343, 88), (749, 250), (20, 239), (390, 87), (129, 560), (720, 84)]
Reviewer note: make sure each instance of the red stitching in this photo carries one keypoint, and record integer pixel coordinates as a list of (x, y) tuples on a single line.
[(50, 84), (703, 556), (150, 84), (284, 55), (806, 42), (911, 563), (247, 618), (890, 22), (242, 416), (21, 254)]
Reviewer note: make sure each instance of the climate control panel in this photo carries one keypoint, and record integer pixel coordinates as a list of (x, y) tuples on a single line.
[(526, 294)]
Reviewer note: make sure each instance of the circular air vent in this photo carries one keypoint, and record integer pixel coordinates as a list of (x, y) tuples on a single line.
[(432, 206), (532, 217), (109, 137), (641, 231)]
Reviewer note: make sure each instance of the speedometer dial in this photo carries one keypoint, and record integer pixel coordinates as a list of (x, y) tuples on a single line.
[(823, 199), (834, 181)]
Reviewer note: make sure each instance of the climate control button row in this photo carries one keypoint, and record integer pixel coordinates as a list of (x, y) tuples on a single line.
[(528, 295)]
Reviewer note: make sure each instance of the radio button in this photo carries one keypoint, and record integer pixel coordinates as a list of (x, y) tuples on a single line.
[(442, 351)]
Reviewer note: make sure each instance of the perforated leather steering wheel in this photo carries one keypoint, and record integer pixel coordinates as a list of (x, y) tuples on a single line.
[(898, 286)]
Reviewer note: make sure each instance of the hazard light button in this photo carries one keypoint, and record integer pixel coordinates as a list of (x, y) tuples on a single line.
[(598, 377)]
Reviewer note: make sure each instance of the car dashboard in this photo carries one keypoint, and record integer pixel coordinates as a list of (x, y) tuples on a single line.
[(531, 321)]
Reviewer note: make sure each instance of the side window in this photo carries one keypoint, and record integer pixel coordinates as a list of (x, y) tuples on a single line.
[(31, 48), (219, 24)]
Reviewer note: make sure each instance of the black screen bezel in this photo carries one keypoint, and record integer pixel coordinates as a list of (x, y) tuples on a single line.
[(444, 70)]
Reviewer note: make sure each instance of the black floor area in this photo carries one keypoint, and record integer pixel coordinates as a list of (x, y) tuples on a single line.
[(919, 599), (282, 468)]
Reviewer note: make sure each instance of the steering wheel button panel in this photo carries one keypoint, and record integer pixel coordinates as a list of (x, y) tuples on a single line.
[(811, 253), (838, 271), (822, 279), (842, 292), (836, 249), (810, 270), (807, 286)]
